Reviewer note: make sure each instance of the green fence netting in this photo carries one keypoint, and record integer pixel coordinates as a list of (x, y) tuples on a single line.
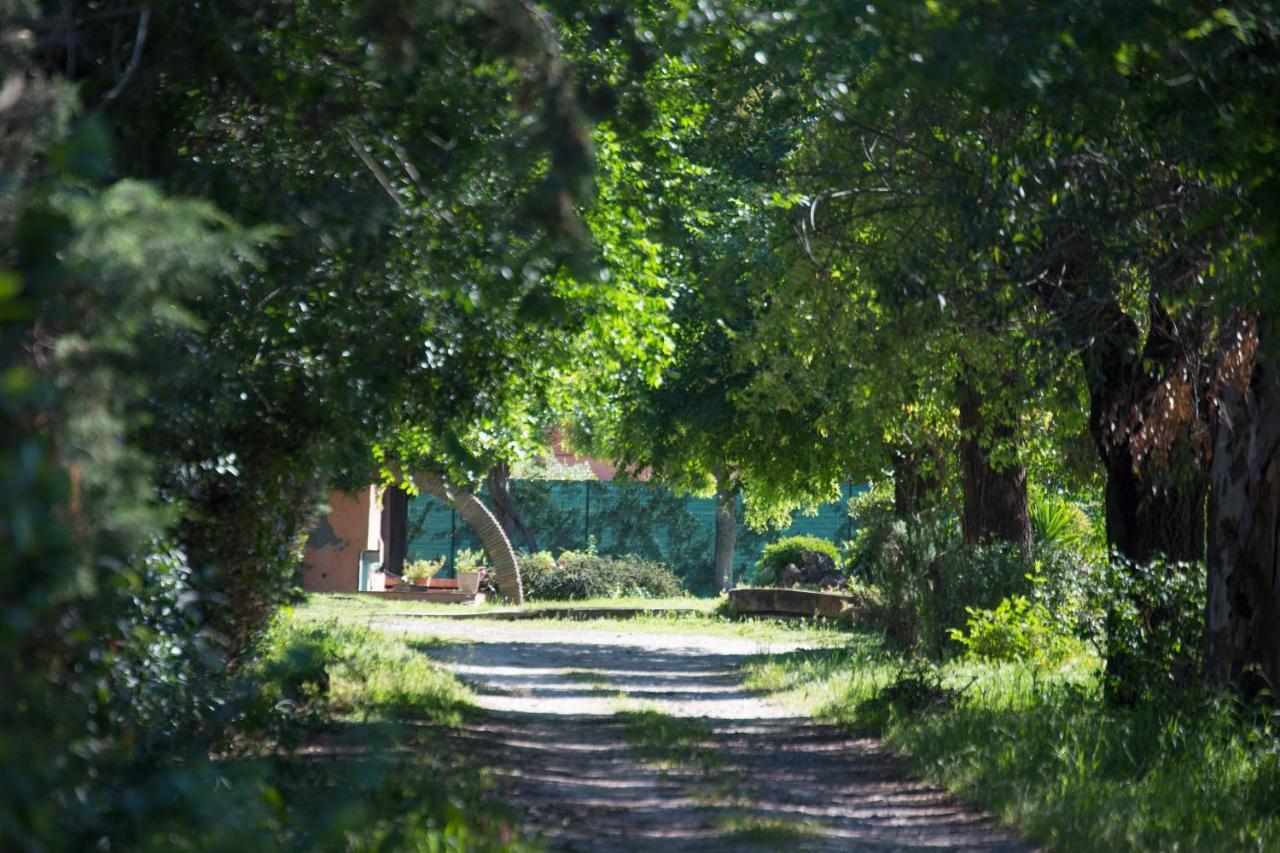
[(619, 518)]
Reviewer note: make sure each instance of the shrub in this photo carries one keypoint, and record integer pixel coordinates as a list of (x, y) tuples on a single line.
[(1018, 629), (420, 570), (972, 576), (902, 558), (777, 555), (1154, 626), (578, 575), (468, 560), (534, 569)]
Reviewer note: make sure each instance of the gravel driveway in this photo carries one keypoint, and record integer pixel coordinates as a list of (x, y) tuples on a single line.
[(553, 736)]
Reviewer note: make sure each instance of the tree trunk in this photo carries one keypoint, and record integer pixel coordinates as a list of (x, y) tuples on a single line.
[(504, 506), (726, 529), (1150, 509), (476, 514), (1243, 612), (995, 499), (395, 529)]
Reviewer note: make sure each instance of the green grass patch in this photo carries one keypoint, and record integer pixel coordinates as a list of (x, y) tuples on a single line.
[(358, 672), (704, 619), (749, 828), (669, 742), (359, 756), (1041, 749), (336, 603)]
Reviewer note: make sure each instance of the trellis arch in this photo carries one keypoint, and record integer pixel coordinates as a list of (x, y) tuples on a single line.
[(482, 521)]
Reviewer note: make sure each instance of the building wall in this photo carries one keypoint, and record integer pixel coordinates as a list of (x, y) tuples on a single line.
[(332, 557)]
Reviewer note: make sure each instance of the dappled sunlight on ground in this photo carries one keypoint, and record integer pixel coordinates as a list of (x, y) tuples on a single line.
[(564, 731)]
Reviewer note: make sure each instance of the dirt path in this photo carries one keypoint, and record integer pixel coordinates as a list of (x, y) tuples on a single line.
[(557, 741)]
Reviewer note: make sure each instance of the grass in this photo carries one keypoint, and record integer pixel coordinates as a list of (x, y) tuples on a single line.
[(1043, 751), (331, 603), (669, 742), (757, 829), (670, 616), (361, 759)]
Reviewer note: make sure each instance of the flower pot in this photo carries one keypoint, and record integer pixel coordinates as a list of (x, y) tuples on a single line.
[(422, 582), (469, 582)]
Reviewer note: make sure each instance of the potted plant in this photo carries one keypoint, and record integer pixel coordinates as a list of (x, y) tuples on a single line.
[(420, 572), (468, 569)]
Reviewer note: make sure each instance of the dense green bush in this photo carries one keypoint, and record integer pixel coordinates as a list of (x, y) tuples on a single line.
[(777, 555), (577, 575), (1153, 626), (1018, 629)]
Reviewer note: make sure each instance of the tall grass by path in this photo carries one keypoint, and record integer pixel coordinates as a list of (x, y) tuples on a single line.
[(355, 751), (1044, 752)]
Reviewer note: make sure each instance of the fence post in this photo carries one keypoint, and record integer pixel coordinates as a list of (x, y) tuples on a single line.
[(453, 537), (586, 543)]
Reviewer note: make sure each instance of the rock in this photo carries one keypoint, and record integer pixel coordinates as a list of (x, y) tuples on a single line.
[(790, 575), (831, 580), (817, 565)]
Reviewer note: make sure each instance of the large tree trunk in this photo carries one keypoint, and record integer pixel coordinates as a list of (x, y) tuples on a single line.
[(504, 506), (995, 498), (1243, 611), (476, 514), (1151, 508), (726, 529)]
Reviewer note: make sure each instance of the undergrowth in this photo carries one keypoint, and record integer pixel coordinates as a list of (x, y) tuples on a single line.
[(1041, 748), (356, 754)]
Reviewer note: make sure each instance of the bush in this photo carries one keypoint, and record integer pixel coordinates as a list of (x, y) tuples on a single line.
[(534, 570), (777, 555), (578, 575), (420, 570), (468, 560), (901, 558), (1018, 629), (1153, 626)]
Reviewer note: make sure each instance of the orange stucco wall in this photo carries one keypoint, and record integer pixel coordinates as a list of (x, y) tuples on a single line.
[(332, 557)]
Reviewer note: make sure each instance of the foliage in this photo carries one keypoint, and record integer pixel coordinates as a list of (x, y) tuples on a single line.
[(578, 575), (904, 556), (1153, 628), (1059, 522), (420, 570), (535, 570), (468, 560), (1018, 629), (778, 554), (551, 468)]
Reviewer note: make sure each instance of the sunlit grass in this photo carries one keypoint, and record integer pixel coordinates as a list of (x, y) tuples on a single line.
[(749, 828), (665, 616), (326, 603), (1044, 752), (368, 765), (360, 672)]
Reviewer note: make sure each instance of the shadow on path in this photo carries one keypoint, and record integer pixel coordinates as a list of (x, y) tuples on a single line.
[(552, 735)]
